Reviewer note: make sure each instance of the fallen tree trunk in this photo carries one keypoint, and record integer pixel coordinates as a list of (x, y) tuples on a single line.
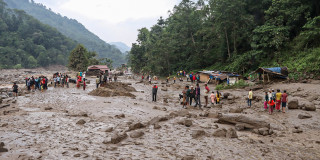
[(247, 121)]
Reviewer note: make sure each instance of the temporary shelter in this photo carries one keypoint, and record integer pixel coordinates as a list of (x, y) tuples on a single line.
[(271, 74)]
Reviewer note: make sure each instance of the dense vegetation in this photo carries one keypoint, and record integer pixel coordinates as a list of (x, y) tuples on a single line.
[(80, 58), (71, 28), (234, 35), (27, 43)]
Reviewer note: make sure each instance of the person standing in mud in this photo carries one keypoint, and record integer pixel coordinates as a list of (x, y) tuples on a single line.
[(43, 82), (184, 101), (174, 79), (273, 95), (84, 84), (192, 95), (154, 93), (194, 78), (32, 82), (218, 96), (63, 80), (198, 96), (250, 95), (150, 79), (284, 99), (97, 82), (271, 106), (55, 81), (206, 94), (115, 78), (15, 89), (36, 83), (78, 82), (278, 100), (67, 81), (266, 101), (29, 84), (270, 94)]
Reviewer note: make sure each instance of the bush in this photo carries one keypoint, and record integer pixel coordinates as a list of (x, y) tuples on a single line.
[(18, 66)]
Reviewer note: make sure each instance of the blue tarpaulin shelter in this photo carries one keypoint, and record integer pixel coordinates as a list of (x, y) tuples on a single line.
[(272, 73)]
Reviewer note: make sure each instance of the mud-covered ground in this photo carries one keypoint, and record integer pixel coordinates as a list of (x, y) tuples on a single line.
[(66, 123)]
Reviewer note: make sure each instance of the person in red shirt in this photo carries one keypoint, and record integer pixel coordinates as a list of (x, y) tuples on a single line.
[(284, 99), (84, 85), (78, 82), (271, 104), (193, 78)]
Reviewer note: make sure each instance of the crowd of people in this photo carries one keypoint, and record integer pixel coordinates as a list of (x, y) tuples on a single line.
[(104, 78), (276, 100), (191, 96), (37, 83), (190, 93), (61, 80)]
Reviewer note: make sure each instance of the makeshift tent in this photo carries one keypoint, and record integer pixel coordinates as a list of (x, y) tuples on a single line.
[(271, 74), (218, 77)]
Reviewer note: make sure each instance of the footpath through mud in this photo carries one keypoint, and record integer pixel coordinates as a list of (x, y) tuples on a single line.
[(70, 123)]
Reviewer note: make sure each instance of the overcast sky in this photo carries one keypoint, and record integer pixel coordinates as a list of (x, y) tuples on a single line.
[(113, 20)]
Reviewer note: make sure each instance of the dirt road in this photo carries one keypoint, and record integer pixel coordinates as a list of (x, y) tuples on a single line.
[(66, 123)]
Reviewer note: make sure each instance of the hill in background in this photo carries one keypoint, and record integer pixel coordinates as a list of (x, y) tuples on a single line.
[(27, 43), (121, 46), (70, 28)]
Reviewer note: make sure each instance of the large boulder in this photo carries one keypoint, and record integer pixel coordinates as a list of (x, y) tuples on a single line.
[(248, 121), (304, 115), (235, 110), (81, 122), (239, 127), (293, 104), (117, 138), (136, 134), (221, 132), (181, 113), (310, 107), (158, 119), (198, 133), (226, 95), (188, 122), (264, 131), (136, 126), (184, 121), (3, 149), (231, 133)]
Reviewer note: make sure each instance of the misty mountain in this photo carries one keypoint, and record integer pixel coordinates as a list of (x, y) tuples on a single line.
[(70, 28), (121, 46)]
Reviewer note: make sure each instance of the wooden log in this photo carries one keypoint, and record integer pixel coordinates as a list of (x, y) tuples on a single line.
[(247, 121)]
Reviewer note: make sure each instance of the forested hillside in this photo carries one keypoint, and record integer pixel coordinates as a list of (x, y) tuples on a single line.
[(121, 46), (26, 43), (71, 28), (233, 35)]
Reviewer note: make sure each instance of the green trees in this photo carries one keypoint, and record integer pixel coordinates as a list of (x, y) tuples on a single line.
[(234, 35), (78, 59), (27, 43), (69, 27)]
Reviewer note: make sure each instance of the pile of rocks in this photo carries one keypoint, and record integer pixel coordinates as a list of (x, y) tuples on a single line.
[(308, 106)]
